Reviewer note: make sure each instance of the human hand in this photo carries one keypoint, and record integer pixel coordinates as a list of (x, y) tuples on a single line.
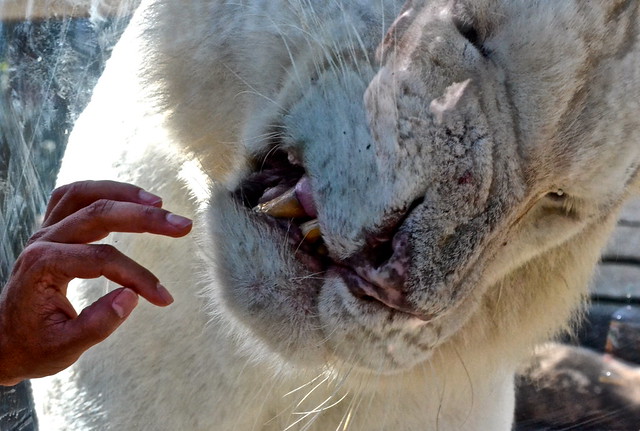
[(40, 331)]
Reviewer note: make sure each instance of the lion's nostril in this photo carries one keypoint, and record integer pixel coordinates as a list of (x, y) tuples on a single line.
[(381, 254), (469, 32), (380, 239)]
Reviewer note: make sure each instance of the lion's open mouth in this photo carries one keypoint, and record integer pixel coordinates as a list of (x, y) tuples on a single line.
[(280, 192)]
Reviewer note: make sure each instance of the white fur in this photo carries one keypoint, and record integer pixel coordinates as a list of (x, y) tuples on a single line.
[(256, 342)]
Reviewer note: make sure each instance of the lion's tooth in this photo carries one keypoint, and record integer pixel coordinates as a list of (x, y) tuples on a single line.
[(311, 230), (322, 250), (286, 205)]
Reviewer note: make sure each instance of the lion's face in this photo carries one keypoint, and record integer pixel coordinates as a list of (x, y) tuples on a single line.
[(466, 146)]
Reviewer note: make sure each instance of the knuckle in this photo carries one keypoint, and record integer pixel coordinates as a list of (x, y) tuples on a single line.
[(97, 332), (149, 212), (59, 192), (105, 252), (72, 189), (34, 254), (99, 208), (79, 187), (37, 257), (37, 236)]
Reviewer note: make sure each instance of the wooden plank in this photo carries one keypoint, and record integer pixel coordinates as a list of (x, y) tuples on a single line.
[(631, 213), (624, 243), (619, 275), (23, 10), (617, 280)]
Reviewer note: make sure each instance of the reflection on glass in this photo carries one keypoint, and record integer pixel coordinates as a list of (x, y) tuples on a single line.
[(50, 60), (48, 67)]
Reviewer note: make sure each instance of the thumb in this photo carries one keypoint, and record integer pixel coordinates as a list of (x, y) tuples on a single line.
[(124, 302), (100, 319)]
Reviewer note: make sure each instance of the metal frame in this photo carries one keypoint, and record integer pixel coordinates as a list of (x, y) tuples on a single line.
[(22, 10)]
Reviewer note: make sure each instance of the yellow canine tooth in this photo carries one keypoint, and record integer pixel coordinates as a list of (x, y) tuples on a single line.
[(311, 230), (322, 250), (284, 206)]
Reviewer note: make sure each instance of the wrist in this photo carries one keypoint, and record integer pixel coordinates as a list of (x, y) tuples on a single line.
[(9, 381), (7, 369)]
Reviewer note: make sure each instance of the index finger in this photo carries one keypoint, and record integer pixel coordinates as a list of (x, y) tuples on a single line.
[(102, 217), (70, 198)]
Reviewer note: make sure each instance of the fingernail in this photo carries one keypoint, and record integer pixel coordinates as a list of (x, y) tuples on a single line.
[(178, 221), (124, 303), (149, 198), (164, 293)]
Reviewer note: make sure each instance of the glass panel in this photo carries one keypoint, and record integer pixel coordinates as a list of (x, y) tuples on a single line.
[(51, 55), (50, 60)]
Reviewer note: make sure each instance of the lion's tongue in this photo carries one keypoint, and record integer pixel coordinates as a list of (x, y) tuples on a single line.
[(305, 197), (293, 202)]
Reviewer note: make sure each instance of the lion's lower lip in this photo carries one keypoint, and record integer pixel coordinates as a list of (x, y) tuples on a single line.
[(362, 289)]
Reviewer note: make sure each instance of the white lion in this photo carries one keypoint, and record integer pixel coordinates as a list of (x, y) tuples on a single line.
[(404, 200)]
